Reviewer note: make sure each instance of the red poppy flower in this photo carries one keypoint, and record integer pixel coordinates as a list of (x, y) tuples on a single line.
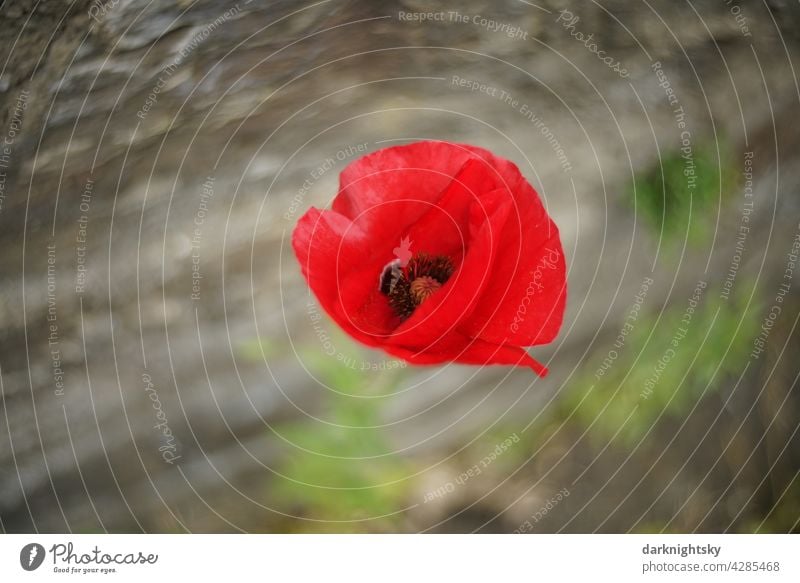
[(437, 252)]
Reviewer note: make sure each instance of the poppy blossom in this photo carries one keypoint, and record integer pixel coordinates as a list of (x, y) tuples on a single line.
[(437, 252)]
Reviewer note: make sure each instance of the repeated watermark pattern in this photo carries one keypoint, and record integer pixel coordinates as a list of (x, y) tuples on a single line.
[(525, 110), (674, 342), (568, 20), (168, 444), (738, 14), (630, 322), (318, 172), (744, 228), (680, 118), (774, 311), (170, 70), (549, 260), (98, 10), (545, 509), (82, 236), (206, 194), (329, 347), (509, 30), (6, 148), (53, 338)]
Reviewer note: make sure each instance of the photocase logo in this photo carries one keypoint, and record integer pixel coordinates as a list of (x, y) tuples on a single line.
[(31, 556)]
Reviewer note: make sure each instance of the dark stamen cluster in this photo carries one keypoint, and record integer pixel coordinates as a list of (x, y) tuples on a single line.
[(439, 267), (408, 287)]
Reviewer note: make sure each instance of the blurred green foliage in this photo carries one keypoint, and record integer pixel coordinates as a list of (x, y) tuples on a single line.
[(697, 358), (670, 205), (340, 467)]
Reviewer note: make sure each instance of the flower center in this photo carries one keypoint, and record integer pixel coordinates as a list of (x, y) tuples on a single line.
[(407, 287), (423, 287)]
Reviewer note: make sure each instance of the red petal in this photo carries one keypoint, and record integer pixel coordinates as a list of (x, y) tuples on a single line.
[(523, 304), (531, 260), (442, 312), (506, 175), (387, 191), (459, 348), (444, 228), (341, 268)]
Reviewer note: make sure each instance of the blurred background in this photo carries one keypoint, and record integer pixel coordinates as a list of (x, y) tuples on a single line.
[(163, 367)]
